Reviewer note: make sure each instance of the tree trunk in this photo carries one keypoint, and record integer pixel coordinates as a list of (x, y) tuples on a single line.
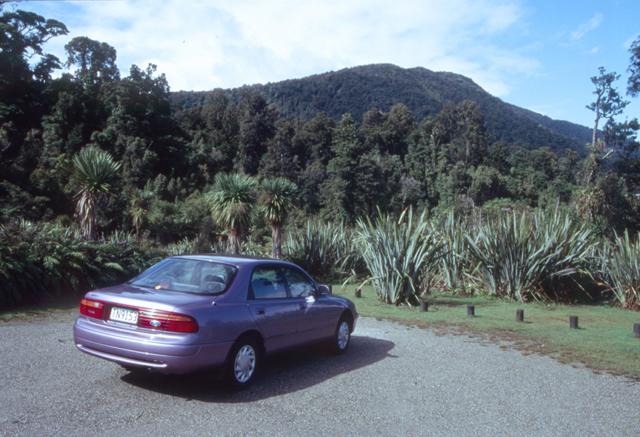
[(87, 213), (595, 128), (233, 245), (276, 240)]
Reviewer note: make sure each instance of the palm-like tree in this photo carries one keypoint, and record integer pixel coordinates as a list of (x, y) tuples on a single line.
[(94, 171), (138, 209), (231, 200), (276, 203)]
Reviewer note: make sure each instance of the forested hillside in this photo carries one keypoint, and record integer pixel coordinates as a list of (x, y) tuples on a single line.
[(566, 128), (424, 92), (352, 142), (102, 173)]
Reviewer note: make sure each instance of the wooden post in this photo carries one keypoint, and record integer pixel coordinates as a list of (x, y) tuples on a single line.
[(358, 292), (424, 306), (636, 330), (573, 322), (470, 310), (519, 315)]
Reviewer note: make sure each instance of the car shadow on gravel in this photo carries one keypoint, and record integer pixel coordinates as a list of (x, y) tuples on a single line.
[(282, 374)]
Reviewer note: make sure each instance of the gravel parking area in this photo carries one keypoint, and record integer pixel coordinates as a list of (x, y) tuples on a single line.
[(394, 381)]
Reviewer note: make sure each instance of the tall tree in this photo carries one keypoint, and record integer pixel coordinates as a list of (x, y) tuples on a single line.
[(397, 129), (95, 61), (231, 201), (633, 84), (94, 171), (22, 79), (276, 204), (609, 102), (279, 159), (257, 126), (22, 35), (340, 191)]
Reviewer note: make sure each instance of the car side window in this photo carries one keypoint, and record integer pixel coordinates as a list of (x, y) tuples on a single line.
[(299, 284), (267, 283)]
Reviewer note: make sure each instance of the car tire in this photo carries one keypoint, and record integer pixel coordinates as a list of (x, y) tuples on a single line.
[(342, 337), (244, 363)]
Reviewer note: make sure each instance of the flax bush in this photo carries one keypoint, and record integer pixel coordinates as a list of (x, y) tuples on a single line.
[(454, 266), (620, 268), (319, 248), (522, 256), (396, 252)]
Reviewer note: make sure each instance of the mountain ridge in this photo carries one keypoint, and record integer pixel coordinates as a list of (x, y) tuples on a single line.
[(356, 90)]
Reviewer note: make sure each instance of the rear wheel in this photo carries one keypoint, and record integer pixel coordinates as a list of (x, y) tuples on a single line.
[(342, 336), (244, 363)]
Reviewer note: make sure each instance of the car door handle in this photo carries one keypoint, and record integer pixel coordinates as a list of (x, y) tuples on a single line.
[(260, 311), (303, 306)]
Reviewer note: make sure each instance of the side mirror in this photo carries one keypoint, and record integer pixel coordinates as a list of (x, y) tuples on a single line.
[(324, 290)]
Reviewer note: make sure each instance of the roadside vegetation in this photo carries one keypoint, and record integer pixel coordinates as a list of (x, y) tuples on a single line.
[(100, 177)]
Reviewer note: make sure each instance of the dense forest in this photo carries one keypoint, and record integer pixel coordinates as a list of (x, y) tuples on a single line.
[(359, 89), (104, 154)]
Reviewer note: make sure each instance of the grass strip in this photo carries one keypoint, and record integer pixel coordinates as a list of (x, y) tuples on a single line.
[(604, 340), (33, 313)]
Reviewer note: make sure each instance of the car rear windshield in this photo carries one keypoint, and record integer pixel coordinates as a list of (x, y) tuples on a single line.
[(187, 275)]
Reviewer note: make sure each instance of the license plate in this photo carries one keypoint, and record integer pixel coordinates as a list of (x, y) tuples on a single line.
[(124, 315)]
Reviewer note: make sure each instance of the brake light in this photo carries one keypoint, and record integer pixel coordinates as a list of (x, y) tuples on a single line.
[(91, 308), (166, 321)]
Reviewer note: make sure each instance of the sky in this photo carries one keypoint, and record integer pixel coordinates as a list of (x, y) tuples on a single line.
[(536, 54)]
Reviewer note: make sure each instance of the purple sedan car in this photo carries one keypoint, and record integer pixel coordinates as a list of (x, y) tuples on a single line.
[(220, 312)]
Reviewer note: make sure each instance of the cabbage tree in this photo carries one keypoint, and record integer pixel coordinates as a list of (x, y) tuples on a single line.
[(94, 170), (276, 203), (231, 200)]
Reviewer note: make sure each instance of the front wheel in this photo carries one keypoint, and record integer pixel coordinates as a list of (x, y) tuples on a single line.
[(342, 336), (245, 360)]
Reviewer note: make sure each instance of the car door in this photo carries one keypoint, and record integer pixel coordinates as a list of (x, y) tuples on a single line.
[(317, 317), (272, 309)]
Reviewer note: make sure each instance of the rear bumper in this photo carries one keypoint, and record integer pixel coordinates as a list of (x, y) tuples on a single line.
[(167, 353), (121, 359)]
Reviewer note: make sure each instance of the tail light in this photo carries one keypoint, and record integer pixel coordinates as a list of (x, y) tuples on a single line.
[(91, 308), (166, 321), (150, 319)]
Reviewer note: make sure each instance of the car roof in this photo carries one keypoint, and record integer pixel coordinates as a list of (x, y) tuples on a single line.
[(228, 258)]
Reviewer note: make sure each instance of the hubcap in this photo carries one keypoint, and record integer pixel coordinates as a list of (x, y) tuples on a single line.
[(343, 335), (245, 363)]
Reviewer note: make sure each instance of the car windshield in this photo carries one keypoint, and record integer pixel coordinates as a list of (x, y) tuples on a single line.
[(187, 275)]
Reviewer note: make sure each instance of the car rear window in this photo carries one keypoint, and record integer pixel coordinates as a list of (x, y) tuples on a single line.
[(187, 275)]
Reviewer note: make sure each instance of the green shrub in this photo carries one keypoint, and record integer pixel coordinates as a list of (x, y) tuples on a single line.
[(319, 249), (620, 267), (397, 253), (519, 255), (454, 266), (39, 261)]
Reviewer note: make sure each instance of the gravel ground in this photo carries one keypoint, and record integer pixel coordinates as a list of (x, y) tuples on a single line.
[(393, 381)]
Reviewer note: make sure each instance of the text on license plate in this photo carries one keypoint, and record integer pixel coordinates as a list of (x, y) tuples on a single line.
[(124, 315)]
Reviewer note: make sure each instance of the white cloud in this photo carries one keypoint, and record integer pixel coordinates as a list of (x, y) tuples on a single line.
[(627, 44), (201, 45), (584, 28)]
